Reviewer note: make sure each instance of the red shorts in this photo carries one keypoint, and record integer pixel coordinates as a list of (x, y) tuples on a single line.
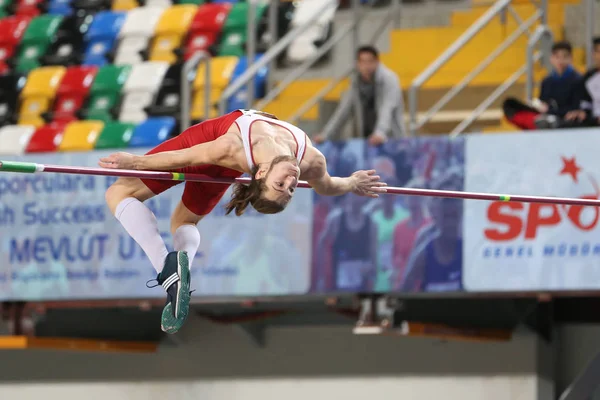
[(200, 198)]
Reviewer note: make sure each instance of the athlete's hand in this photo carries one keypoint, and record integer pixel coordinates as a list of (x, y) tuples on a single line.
[(366, 183), (119, 160)]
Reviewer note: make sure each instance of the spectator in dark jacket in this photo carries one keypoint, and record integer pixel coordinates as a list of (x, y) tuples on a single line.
[(558, 94), (588, 113)]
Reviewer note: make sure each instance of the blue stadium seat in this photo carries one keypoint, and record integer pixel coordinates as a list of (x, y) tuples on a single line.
[(152, 132), (60, 7), (238, 100), (102, 36)]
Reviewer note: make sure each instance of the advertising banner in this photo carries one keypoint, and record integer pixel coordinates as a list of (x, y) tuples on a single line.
[(58, 240), (519, 246)]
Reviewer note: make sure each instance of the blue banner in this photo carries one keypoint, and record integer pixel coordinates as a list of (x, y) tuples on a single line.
[(58, 240), (392, 243)]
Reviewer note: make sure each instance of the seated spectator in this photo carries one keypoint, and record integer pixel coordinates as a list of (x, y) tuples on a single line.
[(558, 95), (588, 113), (375, 99)]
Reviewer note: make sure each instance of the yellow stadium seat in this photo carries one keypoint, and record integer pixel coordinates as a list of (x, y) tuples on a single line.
[(124, 5), (81, 135), (221, 70), (170, 32), (38, 94)]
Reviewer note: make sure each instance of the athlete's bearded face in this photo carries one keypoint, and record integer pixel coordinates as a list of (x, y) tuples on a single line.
[(280, 180)]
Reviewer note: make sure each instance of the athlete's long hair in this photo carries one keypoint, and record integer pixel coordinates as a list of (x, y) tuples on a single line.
[(252, 194)]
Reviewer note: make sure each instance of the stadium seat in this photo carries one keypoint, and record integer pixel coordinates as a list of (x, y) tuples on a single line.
[(222, 69), (170, 32), (152, 132), (105, 92), (91, 6), (10, 88), (167, 101), (135, 34), (4, 8), (29, 8), (235, 29), (158, 3), (36, 41), (68, 44), (285, 11), (238, 100), (206, 27), (14, 138), (115, 135), (60, 7), (38, 94), (12, 30), (140, 89), (307, 43), (46, 138), (80, 135), (102, 36), (72, 92), (124, 5), (233, 44), (194, 2)]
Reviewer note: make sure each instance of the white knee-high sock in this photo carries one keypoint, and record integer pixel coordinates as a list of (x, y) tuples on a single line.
[(187, 238), (141, 224)]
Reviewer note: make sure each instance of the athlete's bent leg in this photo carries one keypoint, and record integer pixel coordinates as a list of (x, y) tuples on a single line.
[(186, 236), (124, 198)]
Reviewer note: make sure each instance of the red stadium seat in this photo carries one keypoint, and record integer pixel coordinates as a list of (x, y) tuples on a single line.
[(72, 92), (206, 27), (200, 41), (210, 17), (29, 8), (46, 139), (11, 32)]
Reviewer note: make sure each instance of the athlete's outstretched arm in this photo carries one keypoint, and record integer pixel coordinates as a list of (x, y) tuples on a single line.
[(215, 153), (362, 183)]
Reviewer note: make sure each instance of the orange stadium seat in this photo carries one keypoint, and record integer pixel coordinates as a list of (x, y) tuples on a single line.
[(222, 69), (81, 135), (170, 32), (38, 94)]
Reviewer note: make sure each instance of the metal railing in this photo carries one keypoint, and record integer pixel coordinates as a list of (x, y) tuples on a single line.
[(590, 14), (543, 35), (499, 8), (186, 86), (273, 52)]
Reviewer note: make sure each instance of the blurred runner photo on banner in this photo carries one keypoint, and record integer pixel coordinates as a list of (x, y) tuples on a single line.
[(392, 243)]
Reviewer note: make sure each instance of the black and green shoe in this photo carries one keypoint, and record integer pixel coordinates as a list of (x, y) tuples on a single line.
[(175, 279)]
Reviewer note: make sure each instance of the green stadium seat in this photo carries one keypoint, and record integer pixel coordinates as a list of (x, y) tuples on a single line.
[(195, 2), (36, 40), (233, 39), (115, 135), (233, 44), (106, 92), (4, 5)]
